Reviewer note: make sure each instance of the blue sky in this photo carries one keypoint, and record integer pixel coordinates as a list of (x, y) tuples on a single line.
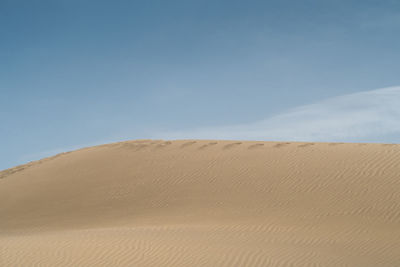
[(78, 73)]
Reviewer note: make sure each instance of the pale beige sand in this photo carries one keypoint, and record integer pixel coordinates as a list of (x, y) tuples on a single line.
[(204, 203)]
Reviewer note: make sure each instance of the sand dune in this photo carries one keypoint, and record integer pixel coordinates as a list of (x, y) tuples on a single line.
[(204, 203)]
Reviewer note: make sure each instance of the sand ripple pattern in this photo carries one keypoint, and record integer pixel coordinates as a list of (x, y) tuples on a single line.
[(204, 203)]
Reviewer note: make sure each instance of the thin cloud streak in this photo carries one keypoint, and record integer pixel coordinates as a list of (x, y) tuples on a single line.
[(369, 116)]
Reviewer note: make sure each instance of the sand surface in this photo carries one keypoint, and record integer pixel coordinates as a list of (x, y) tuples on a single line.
[(204, 203)]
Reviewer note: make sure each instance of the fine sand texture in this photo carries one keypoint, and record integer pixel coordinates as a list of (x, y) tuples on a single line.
[(204, 203)]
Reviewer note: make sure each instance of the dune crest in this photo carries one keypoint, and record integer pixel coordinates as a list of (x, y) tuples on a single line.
[(204, 203)]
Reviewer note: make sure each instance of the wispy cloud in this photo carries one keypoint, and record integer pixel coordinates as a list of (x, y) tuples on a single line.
[(369, 116)]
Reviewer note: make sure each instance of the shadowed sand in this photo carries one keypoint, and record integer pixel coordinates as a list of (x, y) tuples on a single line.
[(204, 203)]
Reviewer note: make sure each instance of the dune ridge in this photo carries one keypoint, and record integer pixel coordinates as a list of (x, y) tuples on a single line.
[(204, 203)]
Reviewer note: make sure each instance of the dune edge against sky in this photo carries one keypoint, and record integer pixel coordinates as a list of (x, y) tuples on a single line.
[(204, 203)]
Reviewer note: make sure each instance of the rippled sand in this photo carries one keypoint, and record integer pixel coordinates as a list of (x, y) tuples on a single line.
[(204, 203)]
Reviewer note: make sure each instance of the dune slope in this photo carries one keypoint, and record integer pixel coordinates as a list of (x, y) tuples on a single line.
[(204, 203)]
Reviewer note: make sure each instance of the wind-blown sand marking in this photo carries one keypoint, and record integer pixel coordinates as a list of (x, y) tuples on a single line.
[(197, 203)]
